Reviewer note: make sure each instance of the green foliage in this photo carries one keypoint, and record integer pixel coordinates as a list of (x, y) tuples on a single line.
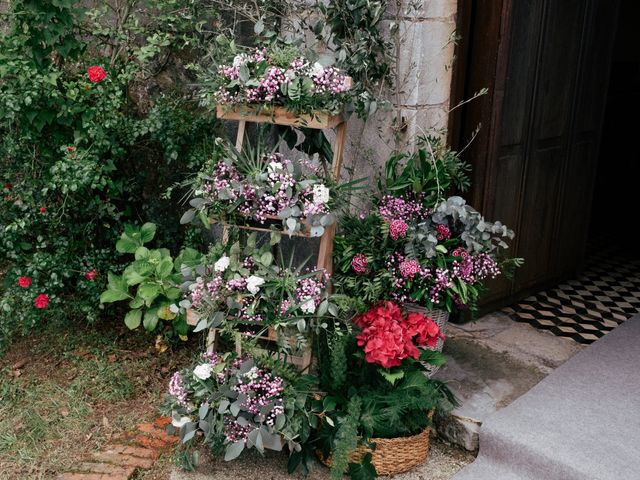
[(428, 173), (346, 437), (79, 160), (155, 277), (353, 29)]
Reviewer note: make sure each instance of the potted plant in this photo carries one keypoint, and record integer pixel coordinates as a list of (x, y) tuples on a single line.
[(378, 401)]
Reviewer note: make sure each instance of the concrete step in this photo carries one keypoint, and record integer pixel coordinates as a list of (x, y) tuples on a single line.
[(492, 362), (582, 422)]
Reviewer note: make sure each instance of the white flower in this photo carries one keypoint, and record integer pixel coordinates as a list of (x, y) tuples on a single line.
[(252, 374), (320, 194), (222, 264), (253, 284), (203, 371), (240, 59), (275, 167), (316, 69), (181, 422), (289, 75), (309, 306)]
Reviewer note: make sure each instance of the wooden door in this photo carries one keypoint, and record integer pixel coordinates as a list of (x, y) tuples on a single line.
[(546, 64)]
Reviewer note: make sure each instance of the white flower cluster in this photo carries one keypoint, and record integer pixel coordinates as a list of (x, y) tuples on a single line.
[(253, 284), (320, 194)]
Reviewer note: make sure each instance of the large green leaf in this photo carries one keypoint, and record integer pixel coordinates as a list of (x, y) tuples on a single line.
[(150, 321), (165, 267), (113, 296), (149, 291), (126, 245), (133, 318), (147, 232)]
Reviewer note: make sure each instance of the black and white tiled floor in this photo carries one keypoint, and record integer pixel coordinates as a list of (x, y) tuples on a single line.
[(603, 296)]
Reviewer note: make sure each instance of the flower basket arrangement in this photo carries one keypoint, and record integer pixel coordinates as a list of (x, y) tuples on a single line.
[(272, 76), (257, 188)]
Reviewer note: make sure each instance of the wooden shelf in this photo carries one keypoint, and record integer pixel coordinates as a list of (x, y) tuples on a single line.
[(278, 116)]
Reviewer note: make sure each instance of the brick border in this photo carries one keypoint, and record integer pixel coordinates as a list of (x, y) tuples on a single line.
[(136, 450)]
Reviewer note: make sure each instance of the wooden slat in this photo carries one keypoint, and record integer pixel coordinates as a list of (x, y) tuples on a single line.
[(278, 116)]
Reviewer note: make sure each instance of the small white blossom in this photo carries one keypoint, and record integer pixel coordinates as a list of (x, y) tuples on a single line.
[(252, 374), (320, 194), (308, 306), (222, 264), (275, 167), (316, 69), (253, 284), (181, 422), (240, 59), (203, 371)]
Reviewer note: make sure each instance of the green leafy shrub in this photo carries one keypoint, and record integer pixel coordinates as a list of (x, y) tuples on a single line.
[(80, 156), (155, 277)]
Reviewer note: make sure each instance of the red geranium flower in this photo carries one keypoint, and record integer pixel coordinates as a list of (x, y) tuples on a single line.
[(41, 300), (43, 209), (359, 263), (96, 74), (91, 275), (69, 148), (24, 282)]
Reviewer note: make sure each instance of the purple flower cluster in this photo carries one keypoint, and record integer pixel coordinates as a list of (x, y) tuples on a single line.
[(330, 80), (261, 198), (327, 81), (442, 283), (268, 87), (393, 208), (260, 389), (403, 271), (177, 389), (309, 290)]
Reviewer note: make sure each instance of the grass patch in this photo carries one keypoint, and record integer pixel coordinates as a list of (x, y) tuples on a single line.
[(67, 392)]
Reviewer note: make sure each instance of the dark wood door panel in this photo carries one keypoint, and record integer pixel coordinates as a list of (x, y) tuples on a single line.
[(535, 236), (505, 204), (525, 29), (596, 67), (576, 200), (535, 163), (561, 40)]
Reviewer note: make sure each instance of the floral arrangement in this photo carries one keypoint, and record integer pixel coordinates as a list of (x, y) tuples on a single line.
[(238, 403), (243, 287), (416, 246), (265, 187), (277, 75), (375, 383)]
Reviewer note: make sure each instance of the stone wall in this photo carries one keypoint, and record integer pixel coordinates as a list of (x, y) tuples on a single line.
[(421, 100)]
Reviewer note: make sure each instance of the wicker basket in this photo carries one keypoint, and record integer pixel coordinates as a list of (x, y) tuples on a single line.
[(392, 455), (441, 317)]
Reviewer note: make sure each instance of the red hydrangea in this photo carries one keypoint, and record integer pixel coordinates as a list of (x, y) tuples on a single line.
[(96, 74), (24, 282), (359, 263), (397, 229), (388, 336), (41, 300)]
